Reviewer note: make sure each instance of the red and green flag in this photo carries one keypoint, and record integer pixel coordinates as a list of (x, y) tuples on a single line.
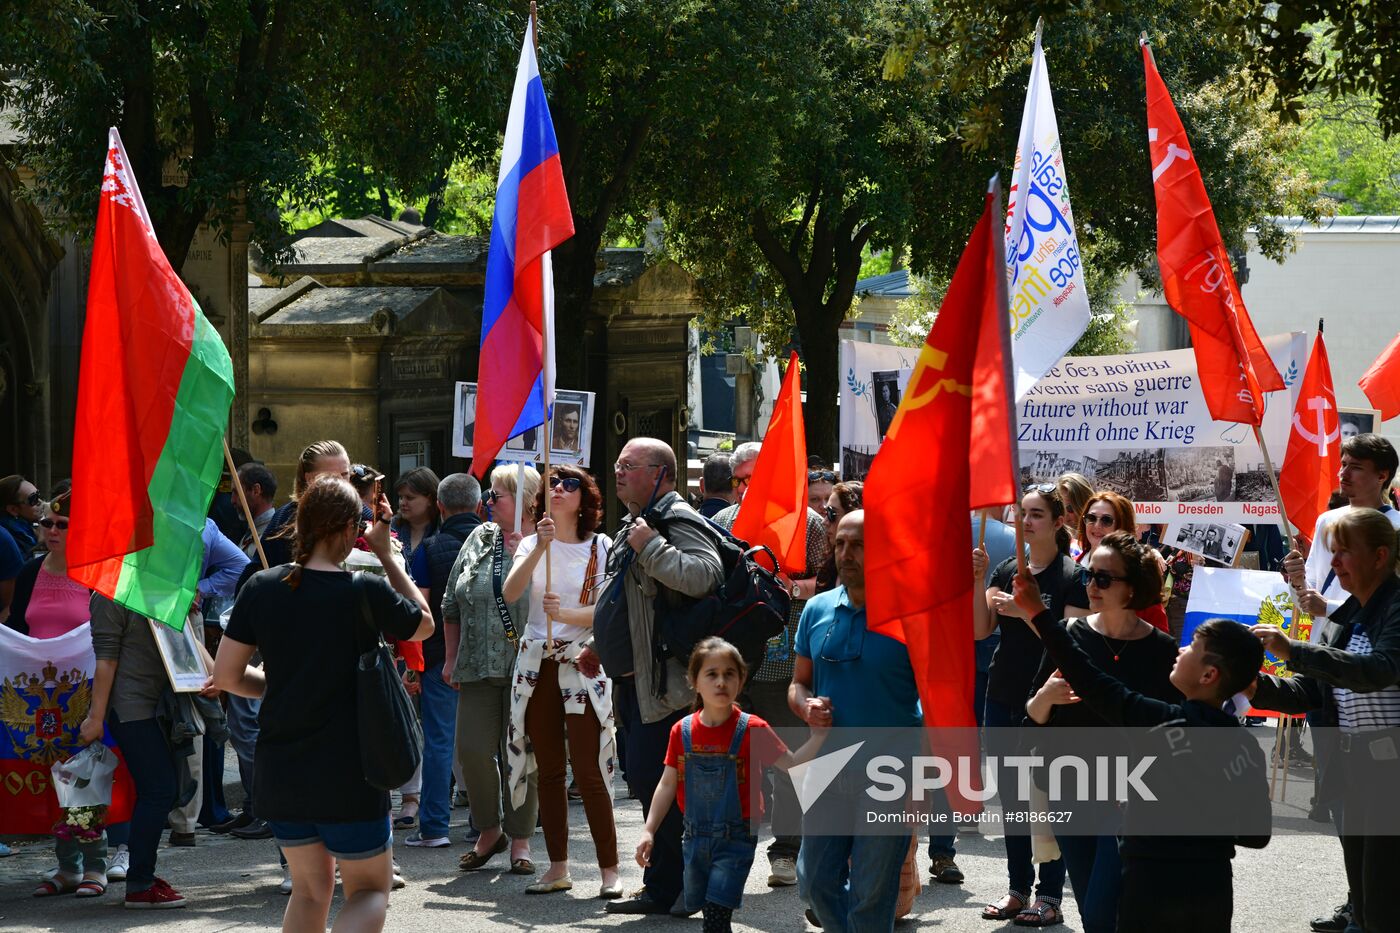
[(154, 390)]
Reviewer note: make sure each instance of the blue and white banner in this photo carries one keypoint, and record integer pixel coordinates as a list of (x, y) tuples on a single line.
[(1049, 305)]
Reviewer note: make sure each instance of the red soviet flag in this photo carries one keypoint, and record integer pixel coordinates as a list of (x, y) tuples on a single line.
[(1314, 445), (1235, 370), (918, 540), (1382, 381), (774, 510)]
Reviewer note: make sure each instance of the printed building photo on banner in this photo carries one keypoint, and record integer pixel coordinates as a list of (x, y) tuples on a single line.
[(887, 397), (1136, 474), (1200, 474), (1218, 541), (184, 664), (1356, 421)]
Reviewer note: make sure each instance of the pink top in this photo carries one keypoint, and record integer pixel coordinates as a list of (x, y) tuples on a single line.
[(57, 606)]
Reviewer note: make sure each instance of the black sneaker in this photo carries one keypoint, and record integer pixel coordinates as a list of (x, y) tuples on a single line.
[(945, 871), (234, 822), (1337, 923), (257, 829), (640, 903)]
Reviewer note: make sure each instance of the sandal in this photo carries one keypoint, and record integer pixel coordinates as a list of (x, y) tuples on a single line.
[(407, 819), (474, 859), (1041, 914), (91, 887), (522, 866), (1008, 909), (56, 885)]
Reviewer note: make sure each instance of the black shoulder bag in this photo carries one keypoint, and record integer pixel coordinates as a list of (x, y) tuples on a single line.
[(391, 740)]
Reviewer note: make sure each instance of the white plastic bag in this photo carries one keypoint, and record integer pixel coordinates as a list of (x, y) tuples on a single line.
[(85, 780)]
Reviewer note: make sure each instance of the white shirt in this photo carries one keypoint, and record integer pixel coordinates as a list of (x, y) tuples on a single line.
[(1318, 570), (568, 564)]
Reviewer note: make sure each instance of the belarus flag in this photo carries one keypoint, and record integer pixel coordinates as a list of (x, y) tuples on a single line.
[(154, 389), (515, 376)]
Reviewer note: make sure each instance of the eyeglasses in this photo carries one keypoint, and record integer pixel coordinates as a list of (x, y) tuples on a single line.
[(1105, 520), (831, 515), (735, 482), (821, 476), (850, 646), (570, 483), (622, 466), (60, 523), (1101, 579)]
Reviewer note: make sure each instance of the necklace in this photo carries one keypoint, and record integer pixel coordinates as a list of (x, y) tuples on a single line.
[(1116, 652)]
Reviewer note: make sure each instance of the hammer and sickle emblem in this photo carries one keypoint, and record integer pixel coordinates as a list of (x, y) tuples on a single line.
[(930, 358), (1321, 438)]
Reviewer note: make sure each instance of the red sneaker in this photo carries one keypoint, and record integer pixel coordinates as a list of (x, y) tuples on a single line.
[(159, 896)]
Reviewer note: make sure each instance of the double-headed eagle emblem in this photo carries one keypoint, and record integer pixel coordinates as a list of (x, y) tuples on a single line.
[(42, 712)]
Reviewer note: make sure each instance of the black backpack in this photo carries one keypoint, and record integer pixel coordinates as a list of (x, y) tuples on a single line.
[(750, 606)]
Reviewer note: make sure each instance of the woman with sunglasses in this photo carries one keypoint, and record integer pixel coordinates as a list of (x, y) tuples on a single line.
[(481, 637), (1105, 513), (844, 498), (1122, 577), (20, 508), (560, 692), (47, 603), (1009, 678)]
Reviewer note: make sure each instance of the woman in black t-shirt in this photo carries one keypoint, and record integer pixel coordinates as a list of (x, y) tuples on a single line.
[(305, 620), (1122, 578), (1009, 676)]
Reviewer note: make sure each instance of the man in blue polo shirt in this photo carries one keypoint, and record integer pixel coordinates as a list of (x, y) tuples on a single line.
[(848, 677)]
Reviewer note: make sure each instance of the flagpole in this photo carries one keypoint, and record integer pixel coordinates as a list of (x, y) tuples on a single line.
[(243, 501), (547, 389)]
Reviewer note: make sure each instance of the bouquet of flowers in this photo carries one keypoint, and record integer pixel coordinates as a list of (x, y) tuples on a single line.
[(362, 558), (85, 824)]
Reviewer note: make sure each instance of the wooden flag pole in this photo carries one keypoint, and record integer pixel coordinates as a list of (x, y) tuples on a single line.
[(243, 501), (1273, 481)]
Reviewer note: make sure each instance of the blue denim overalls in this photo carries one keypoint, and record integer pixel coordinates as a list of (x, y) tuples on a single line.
[(717, 845)]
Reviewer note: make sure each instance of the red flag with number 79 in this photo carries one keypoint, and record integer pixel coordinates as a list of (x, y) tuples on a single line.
[(1235, 369)]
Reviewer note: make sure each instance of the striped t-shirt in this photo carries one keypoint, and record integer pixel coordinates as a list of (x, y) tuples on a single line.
[(1366, 712)]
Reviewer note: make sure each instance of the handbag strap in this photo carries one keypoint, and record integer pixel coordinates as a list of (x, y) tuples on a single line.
[(357, 584), (498, 560)]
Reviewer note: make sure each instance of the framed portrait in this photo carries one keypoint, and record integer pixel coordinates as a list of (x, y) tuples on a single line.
[(571, 428), (1219, 541), (1356, 421), (888, 390), (179, 652)]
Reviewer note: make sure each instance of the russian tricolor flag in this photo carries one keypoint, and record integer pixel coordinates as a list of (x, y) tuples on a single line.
[(515, 377)]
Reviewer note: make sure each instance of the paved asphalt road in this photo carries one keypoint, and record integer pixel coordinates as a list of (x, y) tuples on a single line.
[(233, 884)]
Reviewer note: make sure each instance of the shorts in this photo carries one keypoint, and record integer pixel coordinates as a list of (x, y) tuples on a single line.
[(716, 866), (348, 841)]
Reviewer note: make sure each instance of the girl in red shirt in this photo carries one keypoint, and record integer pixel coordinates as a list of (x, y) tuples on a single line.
[(712, 754)]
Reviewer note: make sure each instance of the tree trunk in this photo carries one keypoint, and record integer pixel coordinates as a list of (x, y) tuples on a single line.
[(386, 210), (819, 333), (435, 197)]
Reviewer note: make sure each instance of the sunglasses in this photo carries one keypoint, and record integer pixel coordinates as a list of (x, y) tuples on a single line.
[(622, 466), (490, 496), (735, 482), (1104, 520), (821, 476), (33, 499), (1045, 489), (570, 483), (831, 515), (60, 523), (1100, 578)]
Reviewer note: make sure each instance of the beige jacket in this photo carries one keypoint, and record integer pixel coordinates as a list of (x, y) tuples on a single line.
[(684, 565)]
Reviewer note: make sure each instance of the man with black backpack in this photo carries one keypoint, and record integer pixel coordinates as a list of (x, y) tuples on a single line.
[(649, 574)]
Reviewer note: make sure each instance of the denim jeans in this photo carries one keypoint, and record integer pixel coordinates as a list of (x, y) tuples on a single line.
[(148, 758), (438, 711), (1096, 876), (768, 700), (852, 882), (941, 845), (1003, 724), (646, 761), (242, 715), (213, 809)]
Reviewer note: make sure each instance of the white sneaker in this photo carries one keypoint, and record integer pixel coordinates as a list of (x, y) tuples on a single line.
[(417, 841), (398, 878), (782, 872), (118, 864), (286, 886)]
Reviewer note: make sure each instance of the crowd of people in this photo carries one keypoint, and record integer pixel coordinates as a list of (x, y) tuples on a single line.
[(523, 705)]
